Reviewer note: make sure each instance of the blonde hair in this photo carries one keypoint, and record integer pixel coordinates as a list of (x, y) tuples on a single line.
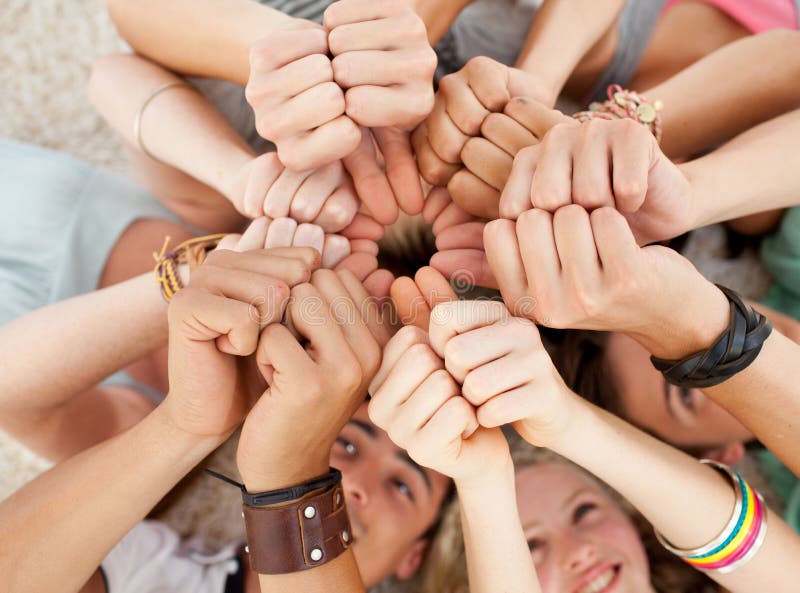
[(445, 568)]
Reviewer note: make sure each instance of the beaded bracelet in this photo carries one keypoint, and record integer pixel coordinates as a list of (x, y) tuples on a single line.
[(625, 104), (742, 537), (192, 252)]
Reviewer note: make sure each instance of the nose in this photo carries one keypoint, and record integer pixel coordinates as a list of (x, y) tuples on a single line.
[(577, 554), (357, 484)]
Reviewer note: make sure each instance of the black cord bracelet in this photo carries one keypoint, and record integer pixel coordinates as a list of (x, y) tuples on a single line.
[(732, 352), (272, 497)]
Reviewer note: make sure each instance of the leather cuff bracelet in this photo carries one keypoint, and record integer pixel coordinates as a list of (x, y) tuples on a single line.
[(297, 536), (733, 351)]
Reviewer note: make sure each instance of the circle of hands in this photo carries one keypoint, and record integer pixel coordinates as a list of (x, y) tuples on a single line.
[(559, 216)]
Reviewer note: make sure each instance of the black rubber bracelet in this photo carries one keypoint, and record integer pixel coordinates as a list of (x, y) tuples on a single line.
[(272, 497), (735, 349)]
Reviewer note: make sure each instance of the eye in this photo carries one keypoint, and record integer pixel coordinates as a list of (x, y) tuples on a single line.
[(349, 447), (582, 510), (403, 489), (535, 544), (686, 397)]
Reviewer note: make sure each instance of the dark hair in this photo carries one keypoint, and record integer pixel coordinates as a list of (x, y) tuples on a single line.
[(579, 356)]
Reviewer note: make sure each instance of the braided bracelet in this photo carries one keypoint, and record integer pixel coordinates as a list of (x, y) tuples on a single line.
[(192, 252), (733, 351), (625, 104), (741, 538)]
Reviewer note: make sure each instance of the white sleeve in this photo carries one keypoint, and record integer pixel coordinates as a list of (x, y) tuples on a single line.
[(139, 558)]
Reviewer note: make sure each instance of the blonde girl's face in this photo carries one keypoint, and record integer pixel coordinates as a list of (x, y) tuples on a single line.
[(581, 541)]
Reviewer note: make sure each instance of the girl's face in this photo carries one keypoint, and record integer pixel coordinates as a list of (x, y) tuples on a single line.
[(580, 540)]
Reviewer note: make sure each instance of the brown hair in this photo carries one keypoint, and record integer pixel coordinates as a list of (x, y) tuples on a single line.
[(445, 569)]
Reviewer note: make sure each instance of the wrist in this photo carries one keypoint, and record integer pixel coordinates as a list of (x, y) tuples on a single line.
[(691, 327), (560, 426), (700, 210), (182, 442), (268, 475), (485, 489)]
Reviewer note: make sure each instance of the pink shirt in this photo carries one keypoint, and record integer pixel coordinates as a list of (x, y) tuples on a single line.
[(755, 15)]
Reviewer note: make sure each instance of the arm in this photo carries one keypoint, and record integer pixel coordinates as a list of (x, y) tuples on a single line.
[(684, 500), (694, 120), (281, 444), (209, 38), (91, 498), (181, 129), (83, 340), (652, 294), (562, 32), (419, 404)]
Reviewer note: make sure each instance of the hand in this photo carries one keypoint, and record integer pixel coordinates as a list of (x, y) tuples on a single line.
[(388, 186), (488, 158), (266, 233), (297, 104), (313, 390), (504, 370), (603, 163), (460, 254), (442, 213), (577, 270), (419, 405), (384, 61), (214, 323), (325, 196), (415, 299)]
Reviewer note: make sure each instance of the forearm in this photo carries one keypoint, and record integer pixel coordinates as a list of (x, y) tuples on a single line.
[(498, 558), (79, 342), (689, 503), (93, 499), (209, 38), (562, 32), (179, 127), (756, 171), (695, 120), (764, 397)]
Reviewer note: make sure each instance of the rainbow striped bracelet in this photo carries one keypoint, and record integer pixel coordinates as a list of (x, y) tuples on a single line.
[(742, 537)]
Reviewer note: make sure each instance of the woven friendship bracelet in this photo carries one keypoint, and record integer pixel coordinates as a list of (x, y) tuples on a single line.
[(734, 350), (192, 252), (742, 537), (625, 104)]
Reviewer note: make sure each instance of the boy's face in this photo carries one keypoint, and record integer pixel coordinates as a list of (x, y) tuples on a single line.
[(391, 500), (685, 418)]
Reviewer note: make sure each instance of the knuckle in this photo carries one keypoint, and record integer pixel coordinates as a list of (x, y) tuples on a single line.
[(469, 121), (377, 412), (474, 385), (297, 272), (337, 40), (478, 62), (342, 70), (422, 355), (455, 355)]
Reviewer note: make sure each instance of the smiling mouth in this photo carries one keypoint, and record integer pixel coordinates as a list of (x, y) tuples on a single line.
[(602, 582)]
